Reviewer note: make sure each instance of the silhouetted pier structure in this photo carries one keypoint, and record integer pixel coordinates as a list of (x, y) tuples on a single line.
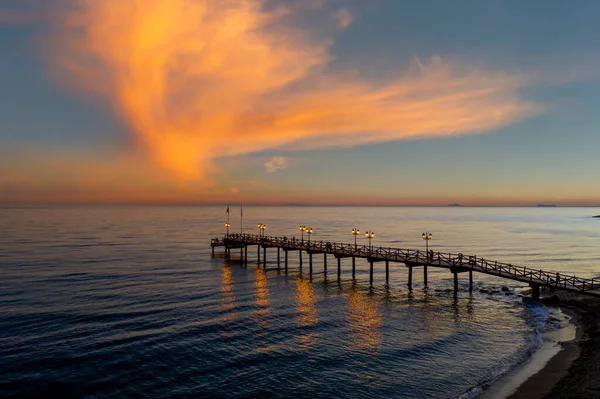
[(456, 263)]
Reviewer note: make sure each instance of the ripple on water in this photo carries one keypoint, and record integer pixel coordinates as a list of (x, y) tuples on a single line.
[(114, 302)]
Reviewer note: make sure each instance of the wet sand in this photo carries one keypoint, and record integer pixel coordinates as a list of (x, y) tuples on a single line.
[(582, 379)]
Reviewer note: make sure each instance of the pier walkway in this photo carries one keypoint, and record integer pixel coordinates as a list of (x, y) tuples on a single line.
[(456, 263)]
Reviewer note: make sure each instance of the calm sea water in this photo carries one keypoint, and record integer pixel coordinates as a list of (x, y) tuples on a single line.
[(107, 302)]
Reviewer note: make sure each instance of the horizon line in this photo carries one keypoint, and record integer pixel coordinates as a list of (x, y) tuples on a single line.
[(291, 204)]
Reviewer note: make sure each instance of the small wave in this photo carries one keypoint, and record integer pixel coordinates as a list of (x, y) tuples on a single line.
[(538, 316)]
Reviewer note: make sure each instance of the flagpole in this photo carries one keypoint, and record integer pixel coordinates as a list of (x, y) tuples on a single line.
[(241, 219)]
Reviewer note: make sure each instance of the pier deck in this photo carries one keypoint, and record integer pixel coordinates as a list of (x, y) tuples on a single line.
[(456, 263)]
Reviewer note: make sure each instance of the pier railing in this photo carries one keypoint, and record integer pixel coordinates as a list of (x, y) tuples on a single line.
[(419, 258)]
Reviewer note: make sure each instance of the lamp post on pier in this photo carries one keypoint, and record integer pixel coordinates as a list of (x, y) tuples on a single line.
[(355, 232), (302, 229), (427, 236), (227, 225), (370, 235), (260, 228), (263, 228), (309, 231)]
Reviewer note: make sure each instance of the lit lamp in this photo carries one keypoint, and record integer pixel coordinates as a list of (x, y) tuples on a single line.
[(227, 225), (427, 236), (355, 232), (263, 228), (260, 225), (370, 235), (309, 231), (302, 230)]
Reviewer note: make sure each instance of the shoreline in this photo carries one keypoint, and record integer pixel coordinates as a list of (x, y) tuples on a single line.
[(552, 357), (571, 370)]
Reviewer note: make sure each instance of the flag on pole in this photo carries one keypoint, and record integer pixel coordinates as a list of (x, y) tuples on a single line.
[(227, 209)]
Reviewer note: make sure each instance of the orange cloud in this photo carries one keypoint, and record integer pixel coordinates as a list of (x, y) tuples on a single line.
[(201, 79)]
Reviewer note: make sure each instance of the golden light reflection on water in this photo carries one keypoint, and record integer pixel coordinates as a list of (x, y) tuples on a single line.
[(306, 314), (261, 292), (228, 297), (263, 309), (364, 321)]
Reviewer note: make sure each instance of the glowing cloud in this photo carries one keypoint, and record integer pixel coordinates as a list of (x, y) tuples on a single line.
[(275, 164), (200, 79)]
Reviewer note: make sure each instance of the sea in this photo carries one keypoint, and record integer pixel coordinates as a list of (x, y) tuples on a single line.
[(129, 302)]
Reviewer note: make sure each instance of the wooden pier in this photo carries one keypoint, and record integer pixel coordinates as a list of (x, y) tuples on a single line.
[(456, 263)]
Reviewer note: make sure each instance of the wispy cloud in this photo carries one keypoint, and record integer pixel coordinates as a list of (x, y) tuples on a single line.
[(344, 18), (201, 79), (276, 163)]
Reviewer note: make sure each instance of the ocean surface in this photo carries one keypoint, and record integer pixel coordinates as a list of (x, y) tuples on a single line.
[(124, 301)]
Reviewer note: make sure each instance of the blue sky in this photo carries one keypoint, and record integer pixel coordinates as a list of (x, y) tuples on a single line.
[(310, 90)]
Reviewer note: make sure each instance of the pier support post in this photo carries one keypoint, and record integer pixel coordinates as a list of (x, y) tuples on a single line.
[(425, 275), (371, 272), (213, 251), (455, 282), (265, 257), (300, 255), (241, 252), (258, 253), (339, 261), (353, 267), (470, 280), (286, 261), (310, 263), (246, 255), (535, 291), (278, 256), (410, 277), (387, 271), (325, 264)]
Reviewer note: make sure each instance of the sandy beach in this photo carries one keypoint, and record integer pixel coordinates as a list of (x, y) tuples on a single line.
[(574, 369)]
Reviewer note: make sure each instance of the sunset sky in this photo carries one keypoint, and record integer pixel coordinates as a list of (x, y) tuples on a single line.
[(382, 102)]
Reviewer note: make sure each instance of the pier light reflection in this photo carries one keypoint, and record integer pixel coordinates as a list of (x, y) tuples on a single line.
[(263, 309), (364, 321), (261, 292), (306, 314), (227, 295)]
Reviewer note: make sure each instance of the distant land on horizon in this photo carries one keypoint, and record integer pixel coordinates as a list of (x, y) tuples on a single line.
[(286, 204)]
